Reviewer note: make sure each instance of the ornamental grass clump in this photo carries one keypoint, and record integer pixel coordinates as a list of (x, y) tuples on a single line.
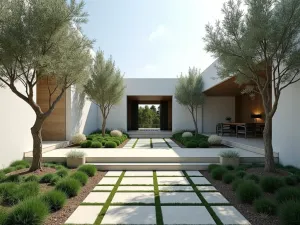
[(218, 172), (89, 170), (271, 184), (228, 178), (62, 173), (55, 200), (289, 213), (288, 193), (46, 178), (116, 133), (253, 177), (78, 138), (248, 191), (81, 177), (291, 180), (69, 186), (32, 178), (32, 211), (23, 163), (265, 206), (13, 178)]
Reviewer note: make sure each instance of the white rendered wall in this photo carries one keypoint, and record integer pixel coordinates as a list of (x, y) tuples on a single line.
[(286, 123), (181, 118), (82, 114), (16, 119), (210, 76), (215, 110)]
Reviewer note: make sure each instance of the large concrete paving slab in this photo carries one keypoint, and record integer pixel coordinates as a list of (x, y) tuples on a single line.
[(172, 181), (84, 214), (169, 173), (96, 197), (133, 197), (108, 180), (138, 174), (214, 197), (137, 181), (136, 188), (194, 173), (179, 197), (175, 188), (230, 215), (113, 173), (103, 188), (206, 188), (200, 180)]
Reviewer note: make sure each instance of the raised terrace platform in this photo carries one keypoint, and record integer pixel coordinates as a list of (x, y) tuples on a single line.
[(151, 159)]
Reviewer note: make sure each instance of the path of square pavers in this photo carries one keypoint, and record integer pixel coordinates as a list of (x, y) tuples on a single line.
[(155, 197), (148, 143)]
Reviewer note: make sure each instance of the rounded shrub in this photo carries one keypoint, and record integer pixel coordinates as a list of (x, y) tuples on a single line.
[(203, 144), (47, 178), (81, 177), (3, 217), (191, 144), (23, 163), (110, 144), (248, 191), (229, 167), (69, 186), (78, 138), (218, 172), (271, 184), (288, 193), (86, 144), (289, 213), (59, 167), (20, 167), (240, 174), (2, 176), (116, 133), (55, 200), (214, 140), (117, 142), (186, 134), (9, 169), (32, 178), (291, 180), (54, 180), (13, 178), (212, 166), (89, 170), (96, 144), (253, 177), (62, 173), (228, 178), (32, 211), (266, 206), (236, 183)]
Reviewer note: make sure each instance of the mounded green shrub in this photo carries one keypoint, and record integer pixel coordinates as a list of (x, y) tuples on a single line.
[(266, 206), (69, 186), (242, 167), (240, 174), (2, 176), (86, 144), (288, 193), (4, 187), (47, 178), (60, 167), (291, 180), (218, 172), (20, 167), (229, 167), (253, 177), (228, 178), (212, 166), (54, 180), (236, 183), (62, 173), (191, 144), (81, 177), (32, 211), (24, 163), (203, 144), (289, 213), (271, 184), (248, 191), (13, 178), (96, 144), (110, 144), (89, 170), (32, 178), (9, 169), (55, 200)]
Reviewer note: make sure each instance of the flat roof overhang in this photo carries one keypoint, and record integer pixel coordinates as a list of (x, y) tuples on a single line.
[(148, 99)]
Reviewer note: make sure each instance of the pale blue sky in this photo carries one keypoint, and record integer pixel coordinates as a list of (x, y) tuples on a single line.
[(152, 38)]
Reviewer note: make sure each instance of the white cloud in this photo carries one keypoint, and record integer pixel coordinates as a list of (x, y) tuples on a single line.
[(160, 31)]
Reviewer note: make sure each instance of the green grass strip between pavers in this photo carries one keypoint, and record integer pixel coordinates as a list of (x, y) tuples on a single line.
[(159, 216), (133, 146), (108, 201), (151, 144), (167, 143), (205, 203)]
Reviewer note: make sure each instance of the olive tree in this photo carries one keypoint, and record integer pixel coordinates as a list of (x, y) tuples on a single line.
[(105, 87), (260, 45), (40, 40), (188, 93)]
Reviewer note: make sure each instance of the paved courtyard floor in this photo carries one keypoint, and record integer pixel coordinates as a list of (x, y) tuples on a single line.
[(158, 143), (155, 197)]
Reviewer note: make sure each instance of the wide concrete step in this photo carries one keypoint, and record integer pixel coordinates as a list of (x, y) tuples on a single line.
[(150, 135), (151, 166)]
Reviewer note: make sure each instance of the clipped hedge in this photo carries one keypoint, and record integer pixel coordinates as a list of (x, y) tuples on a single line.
[(110, 144), (86, 144), (96, 144)]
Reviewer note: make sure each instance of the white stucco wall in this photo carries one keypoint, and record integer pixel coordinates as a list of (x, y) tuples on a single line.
[(286, 123), (215, 110), (82, 114), (16, 119)]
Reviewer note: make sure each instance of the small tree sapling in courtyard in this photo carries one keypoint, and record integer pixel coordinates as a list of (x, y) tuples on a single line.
[(40, 41), (105, 86), (259, 44), (188, 93)]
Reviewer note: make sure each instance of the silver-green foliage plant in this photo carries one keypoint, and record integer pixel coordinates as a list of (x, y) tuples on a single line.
[(260, 45), (41, 40), (105, 86), (189, 94), (75, 154), (229, 154)]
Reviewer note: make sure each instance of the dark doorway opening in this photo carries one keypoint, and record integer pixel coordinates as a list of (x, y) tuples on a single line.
[(163, 105)]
